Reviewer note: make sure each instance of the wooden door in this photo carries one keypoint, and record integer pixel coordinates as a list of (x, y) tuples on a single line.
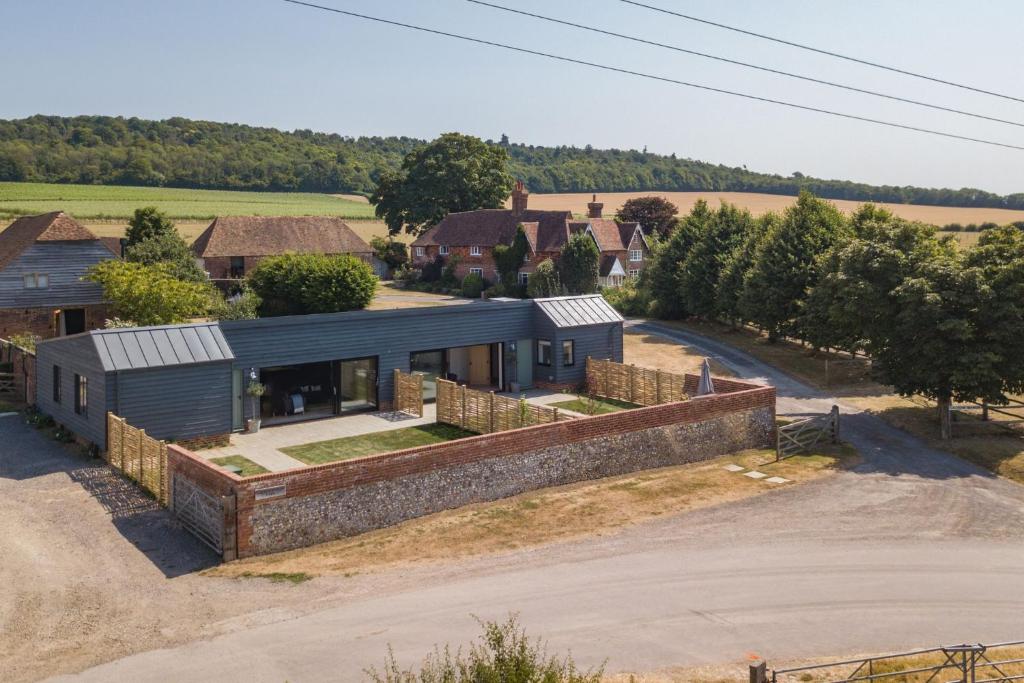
[(480, 365)]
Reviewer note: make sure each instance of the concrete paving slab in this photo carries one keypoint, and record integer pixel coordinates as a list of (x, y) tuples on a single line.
[(777, 480), (754, 474), (734, 468)]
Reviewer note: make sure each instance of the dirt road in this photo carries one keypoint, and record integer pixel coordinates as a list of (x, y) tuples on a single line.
[(912, 547)]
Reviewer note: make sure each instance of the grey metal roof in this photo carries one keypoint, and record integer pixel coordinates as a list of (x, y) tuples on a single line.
[(578, 311), (131, 348)]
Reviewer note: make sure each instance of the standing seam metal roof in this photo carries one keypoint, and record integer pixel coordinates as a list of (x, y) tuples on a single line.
[(152, 347), (578, 311)]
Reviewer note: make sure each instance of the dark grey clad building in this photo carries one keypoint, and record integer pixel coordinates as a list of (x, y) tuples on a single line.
[(182, 382)]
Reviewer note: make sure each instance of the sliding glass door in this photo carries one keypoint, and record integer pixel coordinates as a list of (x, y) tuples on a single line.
[(357, 385)]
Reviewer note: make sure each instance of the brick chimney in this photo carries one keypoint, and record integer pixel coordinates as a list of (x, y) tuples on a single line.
[(519, 199), (594, 208)]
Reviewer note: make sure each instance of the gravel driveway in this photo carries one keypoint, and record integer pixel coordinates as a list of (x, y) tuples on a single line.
[(913, 547)]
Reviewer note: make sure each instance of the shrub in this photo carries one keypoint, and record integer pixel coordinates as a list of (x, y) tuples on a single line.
[(432, 271), (544, 281), (448, 277), (407, 276), (25, 340), (244, 305), (472, 286), (504, 653), (150, 295), (629, 299), (394, 254), (298, 284)]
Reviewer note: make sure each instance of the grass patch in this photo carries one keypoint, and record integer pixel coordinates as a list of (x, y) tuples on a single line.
[(280, 577), (376, 442), (248, 467), (653, 351), (549, 515), (598, 406)]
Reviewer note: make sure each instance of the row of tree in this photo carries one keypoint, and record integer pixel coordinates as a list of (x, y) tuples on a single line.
[(180, 152), (937, 321)]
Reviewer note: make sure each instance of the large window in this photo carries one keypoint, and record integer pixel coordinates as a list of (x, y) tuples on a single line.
[(81, 395), (568, 352), (543, 352), (36, 280), (56, 384)]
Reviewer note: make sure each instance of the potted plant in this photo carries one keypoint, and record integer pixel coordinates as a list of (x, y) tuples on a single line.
[(255, 390)]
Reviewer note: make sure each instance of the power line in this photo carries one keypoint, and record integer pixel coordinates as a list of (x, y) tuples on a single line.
[(745, 64), (664, 79), (821, 51)]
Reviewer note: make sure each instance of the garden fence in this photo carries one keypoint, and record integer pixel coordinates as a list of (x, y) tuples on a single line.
[(641, 386), (138, 456), (409, 393), (486, 412)]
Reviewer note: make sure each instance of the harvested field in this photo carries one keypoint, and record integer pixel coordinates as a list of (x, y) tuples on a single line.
[(762, 203)]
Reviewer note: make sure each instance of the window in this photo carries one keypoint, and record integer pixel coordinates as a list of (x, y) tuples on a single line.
[(633, 273), (543, 352), (474, 251), (524, 278), (420, 251), (476, 271), (56, 384), (81, 395), (568, 352), (636, 255), (36, 281), (237, 269), (444, 250)]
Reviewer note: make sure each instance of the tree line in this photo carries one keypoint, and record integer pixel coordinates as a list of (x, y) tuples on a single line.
[(938, 321), (180, 152)]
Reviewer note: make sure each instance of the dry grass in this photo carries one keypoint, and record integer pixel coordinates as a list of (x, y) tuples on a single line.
[(652, 351), (762, 203), (390, 296), (545, 516)]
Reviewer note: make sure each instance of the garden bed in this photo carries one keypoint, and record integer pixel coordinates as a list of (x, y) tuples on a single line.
[(346, 448)]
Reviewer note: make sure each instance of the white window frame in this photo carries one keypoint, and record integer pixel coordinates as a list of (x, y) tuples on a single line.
[(476, 271), (420, 251), (636, 255), (36, 281), (633, 273), (524, 278), (443, 250), (475, 251)]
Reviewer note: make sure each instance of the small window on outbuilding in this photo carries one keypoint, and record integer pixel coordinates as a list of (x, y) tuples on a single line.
[(56, 384), (36, 280), (568, 352), (543, 352), (81, 395)]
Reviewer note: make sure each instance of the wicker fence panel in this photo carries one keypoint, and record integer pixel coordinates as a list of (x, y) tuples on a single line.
[(138, 456), (642, 386), (486, 412), (409, 393)]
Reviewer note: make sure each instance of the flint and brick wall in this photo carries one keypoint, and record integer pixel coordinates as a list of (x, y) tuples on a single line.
[(300, 507)]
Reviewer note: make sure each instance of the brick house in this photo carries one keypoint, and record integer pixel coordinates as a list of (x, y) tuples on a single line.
[(232, 245), (472, 236), (42, 262)]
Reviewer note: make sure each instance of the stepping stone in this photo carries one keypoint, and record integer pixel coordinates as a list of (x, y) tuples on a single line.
[(777, 480), (7, 414), (754, 474), (734, 468)]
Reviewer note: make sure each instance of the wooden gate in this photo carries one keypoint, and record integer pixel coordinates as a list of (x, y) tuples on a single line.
[(802, 435), (8, 387), (199, 512)]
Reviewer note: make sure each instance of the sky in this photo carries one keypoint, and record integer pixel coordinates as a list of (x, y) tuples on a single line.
[(270, 63)]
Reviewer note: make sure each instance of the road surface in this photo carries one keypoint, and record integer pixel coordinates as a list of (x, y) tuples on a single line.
[(911, 548)]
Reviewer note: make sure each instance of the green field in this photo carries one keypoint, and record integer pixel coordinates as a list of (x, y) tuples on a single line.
[(117, 202)]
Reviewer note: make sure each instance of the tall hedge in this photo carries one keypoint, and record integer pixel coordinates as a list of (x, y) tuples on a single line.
[(297, 284)]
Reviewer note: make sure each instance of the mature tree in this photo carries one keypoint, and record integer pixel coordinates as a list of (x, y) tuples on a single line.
[(666, 262), (296, 284), (395, 254), (169, 248), (147, 223), (785, 265), (578, 266), (453, 173), (736, 265), (150, 295), (544, 281), (700, 270), (657, 215), (508, 259)]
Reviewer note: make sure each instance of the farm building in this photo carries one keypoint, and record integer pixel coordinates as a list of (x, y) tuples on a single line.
[(232, 245), (188, 382), (42, 261)]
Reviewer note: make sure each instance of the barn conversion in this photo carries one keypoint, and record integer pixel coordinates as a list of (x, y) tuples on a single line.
[(189, 382)]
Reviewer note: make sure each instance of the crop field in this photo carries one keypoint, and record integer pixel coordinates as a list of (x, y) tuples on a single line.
[(117, 202), (762, 203)]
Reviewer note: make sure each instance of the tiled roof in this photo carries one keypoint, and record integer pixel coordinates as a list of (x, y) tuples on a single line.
[(607, 264), (48, 227), (490, 227), (578, 311), (273, 235), (131, 348)]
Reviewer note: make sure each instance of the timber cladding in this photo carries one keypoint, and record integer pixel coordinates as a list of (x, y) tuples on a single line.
[(283, 510)]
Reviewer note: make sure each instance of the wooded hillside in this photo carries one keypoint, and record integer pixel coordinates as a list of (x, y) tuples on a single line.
[(180, 152)]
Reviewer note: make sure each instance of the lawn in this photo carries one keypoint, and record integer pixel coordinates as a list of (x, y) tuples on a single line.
[(248, 467), (652, 351), (548, 515), (362, 445), (117, 202), (596, 406)]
